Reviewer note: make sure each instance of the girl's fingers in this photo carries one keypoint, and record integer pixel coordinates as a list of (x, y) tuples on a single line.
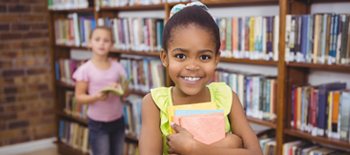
[(171, 151)]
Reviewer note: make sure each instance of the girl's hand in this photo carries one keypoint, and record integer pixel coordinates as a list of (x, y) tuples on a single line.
[(230, 141), (101, 96), (181, 142), (113, 85)]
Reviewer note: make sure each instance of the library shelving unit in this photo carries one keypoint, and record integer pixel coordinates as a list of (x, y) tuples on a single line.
[(289, 74)]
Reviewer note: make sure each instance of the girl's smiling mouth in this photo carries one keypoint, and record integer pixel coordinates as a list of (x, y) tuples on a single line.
[(191, 79)]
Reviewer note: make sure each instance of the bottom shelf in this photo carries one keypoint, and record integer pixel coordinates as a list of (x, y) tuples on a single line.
[(64, 149), (326, 140), (262, 122)]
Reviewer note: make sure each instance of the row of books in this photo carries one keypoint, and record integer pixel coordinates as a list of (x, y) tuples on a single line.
[(307, 148), (73, 108), (130, 149), (257, 93), (322, 110), (137, 34), (132, 118), (69, 4), (148, 73), (121, 3), (65, 68), (268, 145), (74, 135), (318, 38), (253, 38), (74, 30)]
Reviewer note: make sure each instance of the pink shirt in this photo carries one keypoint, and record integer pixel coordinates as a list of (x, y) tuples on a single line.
[(110, 109)]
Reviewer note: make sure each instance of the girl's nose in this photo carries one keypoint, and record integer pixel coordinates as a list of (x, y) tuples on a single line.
[(193, 66)]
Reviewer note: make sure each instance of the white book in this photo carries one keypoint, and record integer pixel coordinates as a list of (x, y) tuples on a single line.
[(136, 34), (276, 37), (287, 39), (264, 28), (242, 38), (77, 39), (127, 34), (288, 145), (241, 87), (116, 33), (131, 33)]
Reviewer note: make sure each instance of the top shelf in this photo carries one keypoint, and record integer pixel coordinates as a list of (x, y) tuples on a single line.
[(134, 8), (226, 3), (90, 9)]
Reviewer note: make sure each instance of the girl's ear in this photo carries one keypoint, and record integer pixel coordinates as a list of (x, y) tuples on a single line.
[(217, 58), (164, 58)]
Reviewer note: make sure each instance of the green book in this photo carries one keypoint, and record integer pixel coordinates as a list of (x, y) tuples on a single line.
[(122, 87)]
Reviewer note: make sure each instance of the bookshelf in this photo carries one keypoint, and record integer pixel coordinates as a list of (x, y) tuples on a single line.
[(289, 74)]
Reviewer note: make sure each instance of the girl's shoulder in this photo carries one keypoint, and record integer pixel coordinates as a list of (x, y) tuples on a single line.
[(221, 93), (161, 97)]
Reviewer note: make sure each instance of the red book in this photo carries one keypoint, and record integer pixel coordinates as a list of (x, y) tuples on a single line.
[(314, 108)]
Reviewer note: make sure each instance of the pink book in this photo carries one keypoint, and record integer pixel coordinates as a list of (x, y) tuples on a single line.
[(206, 129)]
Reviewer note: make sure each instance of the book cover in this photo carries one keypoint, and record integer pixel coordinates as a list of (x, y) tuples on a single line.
[(182, 112), (207, 130), (171, 109), (345, 115), (335, 114), (322, 100)]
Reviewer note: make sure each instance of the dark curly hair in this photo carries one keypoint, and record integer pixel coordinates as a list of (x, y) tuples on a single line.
[(187, 16)]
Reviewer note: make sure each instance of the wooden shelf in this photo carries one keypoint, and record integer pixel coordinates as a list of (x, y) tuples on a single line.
[(248, 61), (152, 54), (72, 47), (65, 149), (90, 9), (320, 66), (63, 85), (134, 8), (63, 114), (305, 135), (262, 122), (228, 3), (140, 93)]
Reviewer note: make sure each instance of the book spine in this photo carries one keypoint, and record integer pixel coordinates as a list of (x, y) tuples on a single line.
[(339, 39), (304, 37), (293, 107), (345, 115), (247, 37), (344, 40), (287, 37)]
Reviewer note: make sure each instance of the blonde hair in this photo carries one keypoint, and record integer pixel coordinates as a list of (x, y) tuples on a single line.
[(102, 28)]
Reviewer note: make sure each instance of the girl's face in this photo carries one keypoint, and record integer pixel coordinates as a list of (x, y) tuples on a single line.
[(191, 58), (101, 42)]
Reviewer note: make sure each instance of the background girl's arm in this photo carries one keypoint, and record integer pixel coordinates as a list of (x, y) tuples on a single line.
[(239, 126), (126, 92), (83, 98), (150, 142)]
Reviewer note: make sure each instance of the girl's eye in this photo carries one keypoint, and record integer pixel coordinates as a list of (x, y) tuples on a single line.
[(204, 57), (106, 40), (180, 56)]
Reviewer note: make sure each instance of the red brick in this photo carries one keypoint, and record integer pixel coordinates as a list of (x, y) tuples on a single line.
[(39, 8), (8, 117), (2, 8), (7, 81), (47, 95), (5, 46), (2, 109), (11, 73), (33, 18), (19, 140), (13, 90), (21, 44), (49, 111), (20, 27), (18, 124), (2, 127), (38, 88), (7, 99), (27, 97), (19, 8), (5, 64), (32, 35), (9, 1), (11, 55), (4, 27), (34, 71), (36, 53), (42, 26), (33, 1), (9, 18), (44, 135), (41, 43), (10, 36)]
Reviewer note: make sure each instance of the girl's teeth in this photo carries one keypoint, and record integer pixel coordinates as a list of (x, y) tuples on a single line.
[(191, 79)]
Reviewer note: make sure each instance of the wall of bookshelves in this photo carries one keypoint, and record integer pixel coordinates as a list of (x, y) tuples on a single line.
[(288, 74)]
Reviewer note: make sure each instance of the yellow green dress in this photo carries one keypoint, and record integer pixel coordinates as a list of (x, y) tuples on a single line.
[(219, 93)]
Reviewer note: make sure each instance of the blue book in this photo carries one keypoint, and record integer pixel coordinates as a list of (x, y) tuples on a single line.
[(183, 112), (307, 48), (61, 129), (139, 109), (82, 30), (331, 35), (125, 110), (248, 94), (322, 105), (293, 106), (93, 24), (268, 89), (335, 35), (57, 68), (304, 35), (323, 50)]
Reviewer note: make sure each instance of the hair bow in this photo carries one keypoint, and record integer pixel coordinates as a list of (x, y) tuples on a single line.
[(179, 7)]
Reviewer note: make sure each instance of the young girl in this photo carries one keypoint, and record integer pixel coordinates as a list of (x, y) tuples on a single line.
[(105, 112), (190, 51)]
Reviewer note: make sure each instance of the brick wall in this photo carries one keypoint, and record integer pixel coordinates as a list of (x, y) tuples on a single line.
[(26, 103)]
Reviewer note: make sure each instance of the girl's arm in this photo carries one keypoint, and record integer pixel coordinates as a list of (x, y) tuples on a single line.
[(83, 98), (150, 142), (126, 93), (239, 126)]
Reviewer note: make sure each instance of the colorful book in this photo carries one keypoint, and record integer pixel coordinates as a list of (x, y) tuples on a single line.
[(119, 91)]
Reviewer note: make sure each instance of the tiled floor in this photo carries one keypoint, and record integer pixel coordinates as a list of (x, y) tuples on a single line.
[(51, 151)]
